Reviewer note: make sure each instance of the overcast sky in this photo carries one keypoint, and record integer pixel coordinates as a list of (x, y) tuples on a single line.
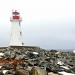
[(48, 24)]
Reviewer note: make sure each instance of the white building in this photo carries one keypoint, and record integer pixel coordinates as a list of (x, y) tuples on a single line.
[(16, 34)]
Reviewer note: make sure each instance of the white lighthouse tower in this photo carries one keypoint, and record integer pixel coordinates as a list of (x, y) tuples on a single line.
[(16, 34)]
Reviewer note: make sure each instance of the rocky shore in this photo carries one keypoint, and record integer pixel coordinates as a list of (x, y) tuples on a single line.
[(35, 61)]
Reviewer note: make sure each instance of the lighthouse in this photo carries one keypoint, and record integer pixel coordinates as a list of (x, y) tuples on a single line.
[(16, 33)]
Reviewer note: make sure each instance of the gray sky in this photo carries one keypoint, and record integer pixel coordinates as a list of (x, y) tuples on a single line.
[(46, 23)]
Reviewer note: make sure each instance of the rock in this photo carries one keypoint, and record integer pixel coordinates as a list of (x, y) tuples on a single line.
[(13, 54), (51, 73), (30, 55), (19, 57), (7, 66), (5, 71), (1, 73), (7, 54), (8, 72), (36, 53), (72, 69), (21, 72), (38, 71)]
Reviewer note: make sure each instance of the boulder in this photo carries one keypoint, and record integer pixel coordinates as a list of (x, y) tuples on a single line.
[(38, 71)]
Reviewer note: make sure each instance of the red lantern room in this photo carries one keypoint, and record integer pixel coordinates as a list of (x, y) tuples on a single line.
[(15, 16)]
